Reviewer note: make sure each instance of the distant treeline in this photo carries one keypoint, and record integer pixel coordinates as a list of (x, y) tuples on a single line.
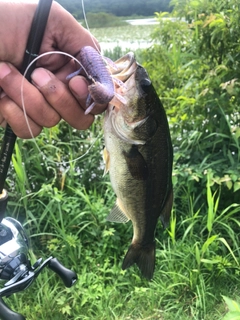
[(116, 7)]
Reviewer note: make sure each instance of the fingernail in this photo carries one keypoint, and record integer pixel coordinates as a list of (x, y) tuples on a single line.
[(2, 95), (40, 77), (4, 70)]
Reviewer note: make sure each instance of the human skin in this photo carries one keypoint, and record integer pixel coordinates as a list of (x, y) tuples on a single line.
[(49, 97)]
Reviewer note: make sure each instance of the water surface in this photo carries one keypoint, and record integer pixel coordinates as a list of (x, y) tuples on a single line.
[(130, 37), (142, 22)]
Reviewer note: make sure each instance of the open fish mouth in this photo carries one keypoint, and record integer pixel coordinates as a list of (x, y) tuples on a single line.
[(124, 67)]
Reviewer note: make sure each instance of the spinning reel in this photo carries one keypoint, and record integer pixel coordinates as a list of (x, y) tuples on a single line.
[(16, 271), (15, 268)]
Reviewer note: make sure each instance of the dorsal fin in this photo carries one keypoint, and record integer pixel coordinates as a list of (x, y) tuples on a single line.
[(166, 211)]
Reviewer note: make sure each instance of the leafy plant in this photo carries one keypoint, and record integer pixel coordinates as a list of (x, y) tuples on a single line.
[(63, 202), (103, 20), (199, 87), (234, 309)]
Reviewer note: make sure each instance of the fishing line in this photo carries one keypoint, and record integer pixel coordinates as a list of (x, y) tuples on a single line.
[(75, 59), (85, 19), (108, 61), (25, 113)]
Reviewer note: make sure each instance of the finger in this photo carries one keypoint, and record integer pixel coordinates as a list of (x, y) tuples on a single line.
[(37, 108), (68, 35), (61, 99), (2, 119), (14, 116), (65, 71), (79, 87), (52, 60), (99, 108)]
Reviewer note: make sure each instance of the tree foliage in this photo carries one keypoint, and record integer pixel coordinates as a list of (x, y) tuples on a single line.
[(195, 67), (116, 7), (103, 20), (63, 199)]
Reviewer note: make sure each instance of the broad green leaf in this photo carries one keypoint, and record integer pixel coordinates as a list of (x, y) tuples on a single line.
[(232, 315), (230, 250), (208, 242), (232, 305), (236, 186), (213, 261), (197, 254)]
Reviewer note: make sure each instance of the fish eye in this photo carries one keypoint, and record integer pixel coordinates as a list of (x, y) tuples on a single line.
[(145, 85)]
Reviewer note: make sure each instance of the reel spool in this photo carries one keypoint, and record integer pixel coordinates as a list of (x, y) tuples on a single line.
[(16, 271)]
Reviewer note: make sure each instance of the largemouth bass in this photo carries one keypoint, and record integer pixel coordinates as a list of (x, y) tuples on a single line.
[(138, 155)]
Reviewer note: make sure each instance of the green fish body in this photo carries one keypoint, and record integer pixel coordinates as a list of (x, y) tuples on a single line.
[(138, 155)]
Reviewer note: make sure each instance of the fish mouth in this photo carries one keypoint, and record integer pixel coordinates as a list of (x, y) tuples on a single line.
[(124, 67)]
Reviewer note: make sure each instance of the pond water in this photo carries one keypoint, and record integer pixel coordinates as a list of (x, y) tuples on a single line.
[(136, 35), (142, 22), (125, 45)]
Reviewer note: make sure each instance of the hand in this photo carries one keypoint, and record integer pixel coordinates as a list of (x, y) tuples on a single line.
[(49, 98)]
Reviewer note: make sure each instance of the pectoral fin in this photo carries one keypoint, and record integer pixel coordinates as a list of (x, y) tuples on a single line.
[(106, 159), (117, 214), (136, 163)]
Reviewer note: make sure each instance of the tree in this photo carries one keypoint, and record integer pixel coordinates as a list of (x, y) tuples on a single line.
[(195, 67), (116, 7)]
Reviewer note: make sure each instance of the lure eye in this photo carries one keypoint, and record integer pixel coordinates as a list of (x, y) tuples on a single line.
[(145, 85)]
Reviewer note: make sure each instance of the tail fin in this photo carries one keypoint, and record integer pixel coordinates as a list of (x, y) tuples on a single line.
[(143, 256)]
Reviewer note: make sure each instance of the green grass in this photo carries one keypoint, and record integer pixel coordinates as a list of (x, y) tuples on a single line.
[(197, 258), (63, 206)]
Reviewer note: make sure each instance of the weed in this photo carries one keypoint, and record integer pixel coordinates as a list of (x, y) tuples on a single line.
[(63, 204)]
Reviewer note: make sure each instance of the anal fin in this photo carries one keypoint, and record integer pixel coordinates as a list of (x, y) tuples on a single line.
[(117, 215)]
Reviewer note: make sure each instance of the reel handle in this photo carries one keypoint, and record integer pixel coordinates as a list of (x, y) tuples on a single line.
[(68, 276), (6, 313)]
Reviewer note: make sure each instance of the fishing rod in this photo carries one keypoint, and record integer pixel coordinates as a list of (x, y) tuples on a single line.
[(16, 271)]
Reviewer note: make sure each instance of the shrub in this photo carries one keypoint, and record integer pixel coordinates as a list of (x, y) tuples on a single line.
[(197, 82), (103, 20)]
